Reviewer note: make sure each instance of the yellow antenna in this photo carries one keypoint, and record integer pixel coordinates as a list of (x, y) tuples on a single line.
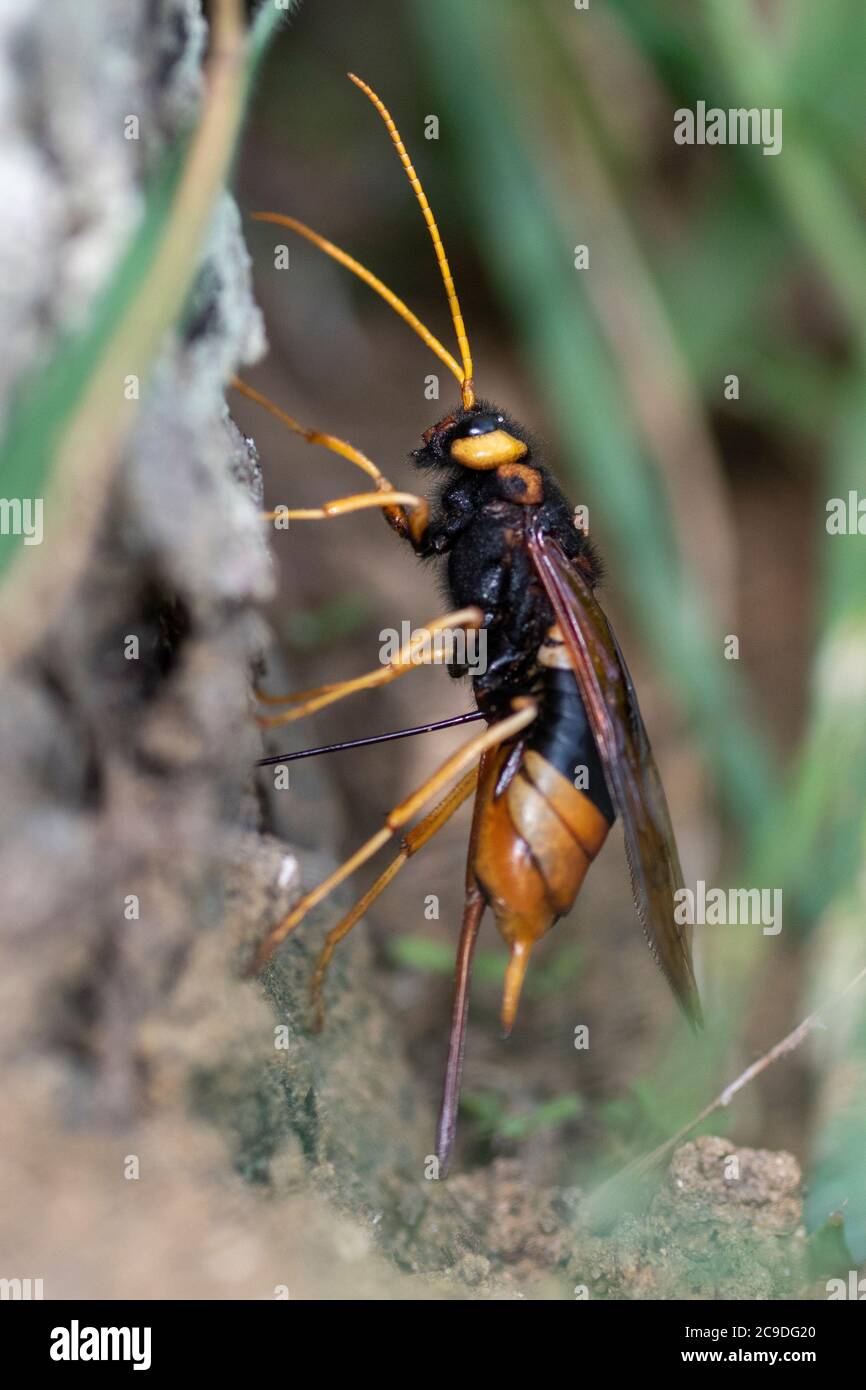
[(468, 389), (344, 259)]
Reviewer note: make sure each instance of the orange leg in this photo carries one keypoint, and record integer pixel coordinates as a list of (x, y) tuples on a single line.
[(412, 842), (458, 763), (388, 499), (411, 523), (297, 696), (418, 651)]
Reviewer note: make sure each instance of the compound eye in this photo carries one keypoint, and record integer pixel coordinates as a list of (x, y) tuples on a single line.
[(477, 425)]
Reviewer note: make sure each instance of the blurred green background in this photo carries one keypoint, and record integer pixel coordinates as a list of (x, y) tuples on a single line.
[(556, 131)]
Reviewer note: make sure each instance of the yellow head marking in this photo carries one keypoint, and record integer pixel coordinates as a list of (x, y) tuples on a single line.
[(488, 450)]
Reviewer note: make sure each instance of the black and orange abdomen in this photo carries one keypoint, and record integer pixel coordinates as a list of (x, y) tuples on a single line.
[(538, 833)]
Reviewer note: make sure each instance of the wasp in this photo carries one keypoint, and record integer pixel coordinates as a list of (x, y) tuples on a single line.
[(555, 693)]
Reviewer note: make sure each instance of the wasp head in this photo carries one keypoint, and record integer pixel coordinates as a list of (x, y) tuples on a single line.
[(481, 437)]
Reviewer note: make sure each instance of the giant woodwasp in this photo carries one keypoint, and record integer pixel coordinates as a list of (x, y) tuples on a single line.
[(556, 694)]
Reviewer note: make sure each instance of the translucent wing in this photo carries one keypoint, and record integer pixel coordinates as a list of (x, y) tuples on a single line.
[(632, 776)]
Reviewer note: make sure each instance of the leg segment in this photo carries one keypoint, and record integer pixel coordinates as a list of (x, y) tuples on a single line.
[(415, 840), (388, 499), (411, 524), (459, 762), (298, 696), (418, 651)]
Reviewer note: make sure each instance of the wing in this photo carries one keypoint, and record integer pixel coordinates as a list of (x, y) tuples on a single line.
[(632, 776)]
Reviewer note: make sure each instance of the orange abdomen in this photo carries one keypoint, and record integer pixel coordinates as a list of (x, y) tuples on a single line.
[(536, 836)]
